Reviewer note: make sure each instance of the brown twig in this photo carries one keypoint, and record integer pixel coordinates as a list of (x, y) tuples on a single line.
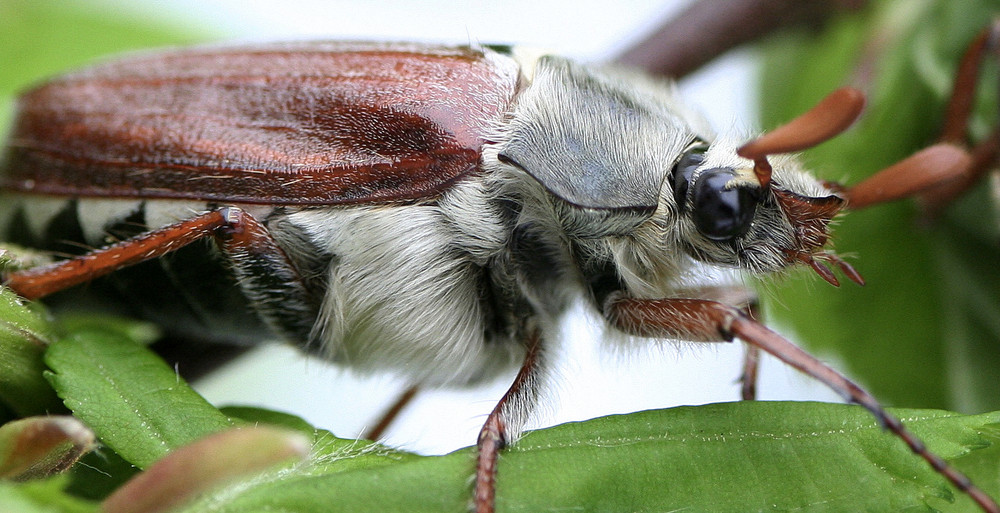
[(709, 28)]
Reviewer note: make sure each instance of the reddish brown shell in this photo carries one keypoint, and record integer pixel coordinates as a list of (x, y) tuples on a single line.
[(303, 124)]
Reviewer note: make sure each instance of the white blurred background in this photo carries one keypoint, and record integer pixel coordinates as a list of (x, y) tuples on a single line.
[(590, 380)]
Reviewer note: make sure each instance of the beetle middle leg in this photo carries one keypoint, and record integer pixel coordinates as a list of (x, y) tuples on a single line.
[(389, 416), (260, 266), (505, 422), (699, 319)]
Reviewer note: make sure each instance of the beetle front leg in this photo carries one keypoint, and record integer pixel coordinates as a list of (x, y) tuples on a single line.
[(704, 320), (261, 268), (746, 300)]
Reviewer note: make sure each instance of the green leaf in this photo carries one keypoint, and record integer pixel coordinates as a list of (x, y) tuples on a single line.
[(98, 474), (24, 335), (44, 37), (41, 497), (330, 453), (925, 331), (141, 332), (724, 457), (255, 415), (135, 403), (749, 456)]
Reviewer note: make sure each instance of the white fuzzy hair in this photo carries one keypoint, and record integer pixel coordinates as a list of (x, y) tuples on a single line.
[(403, 286)]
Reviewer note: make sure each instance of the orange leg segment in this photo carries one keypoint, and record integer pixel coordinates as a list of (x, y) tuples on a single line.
[(268, 279)]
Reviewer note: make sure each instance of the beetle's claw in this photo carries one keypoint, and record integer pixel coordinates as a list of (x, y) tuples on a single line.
[(819, 262)]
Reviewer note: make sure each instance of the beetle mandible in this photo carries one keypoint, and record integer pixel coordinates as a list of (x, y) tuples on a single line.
[(431, 210)]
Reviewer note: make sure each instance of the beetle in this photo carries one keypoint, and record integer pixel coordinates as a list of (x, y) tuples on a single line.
[(430, 210)]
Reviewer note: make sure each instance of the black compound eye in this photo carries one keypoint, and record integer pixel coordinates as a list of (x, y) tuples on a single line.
[(722, 212), (684, 170)]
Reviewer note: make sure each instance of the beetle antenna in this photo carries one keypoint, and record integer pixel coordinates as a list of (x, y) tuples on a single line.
[(922, 171), (828, 118)]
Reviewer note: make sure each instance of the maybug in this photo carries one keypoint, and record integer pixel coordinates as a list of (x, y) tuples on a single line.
[(431, 210)]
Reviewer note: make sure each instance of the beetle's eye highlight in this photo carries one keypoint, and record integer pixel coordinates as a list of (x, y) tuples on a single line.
[(683, 171), (722, 211)]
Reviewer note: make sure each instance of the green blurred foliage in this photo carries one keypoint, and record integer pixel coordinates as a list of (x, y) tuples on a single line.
[(925, 330)]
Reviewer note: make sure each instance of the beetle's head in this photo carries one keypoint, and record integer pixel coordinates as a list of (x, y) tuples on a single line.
[(725, 215), (621, 165), (736, 207)]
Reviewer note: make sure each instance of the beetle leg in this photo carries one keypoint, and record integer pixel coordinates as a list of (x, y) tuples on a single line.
[(41, 281), (751, 354), (259, 265), (266, 276), (751, 366), (505, 422), (391, 413), (699, 319), (746, 300)]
